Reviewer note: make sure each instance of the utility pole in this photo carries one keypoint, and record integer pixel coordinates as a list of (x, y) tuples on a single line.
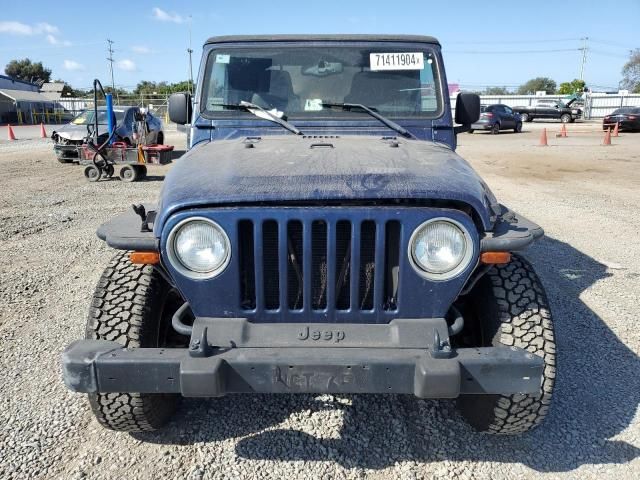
[(110, 59), (584, 56)]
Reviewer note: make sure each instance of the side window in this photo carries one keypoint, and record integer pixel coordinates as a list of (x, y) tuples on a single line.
[(508, 110)]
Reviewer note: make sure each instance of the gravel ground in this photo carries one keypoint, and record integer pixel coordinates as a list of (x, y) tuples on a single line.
[(585, 196)]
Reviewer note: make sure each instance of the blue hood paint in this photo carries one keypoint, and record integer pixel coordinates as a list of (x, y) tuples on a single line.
[(289, 168)]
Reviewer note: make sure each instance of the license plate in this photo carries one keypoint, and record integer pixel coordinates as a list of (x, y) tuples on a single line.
[(396, 61)]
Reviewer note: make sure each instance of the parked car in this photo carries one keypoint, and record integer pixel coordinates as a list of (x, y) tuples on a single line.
[(74, 133), (337, 249), (497, 117), (628, 118), (550, 109)]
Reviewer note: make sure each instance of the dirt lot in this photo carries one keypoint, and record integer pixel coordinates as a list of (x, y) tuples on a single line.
[(583, 194)]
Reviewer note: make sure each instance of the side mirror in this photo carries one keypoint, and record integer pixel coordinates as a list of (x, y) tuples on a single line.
[(180, 108), (467, 110)]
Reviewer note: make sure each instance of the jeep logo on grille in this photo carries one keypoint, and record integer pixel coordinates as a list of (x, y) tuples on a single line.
[(335, 336)]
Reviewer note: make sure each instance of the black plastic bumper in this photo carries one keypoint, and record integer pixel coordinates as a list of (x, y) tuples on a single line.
[(92, 366)]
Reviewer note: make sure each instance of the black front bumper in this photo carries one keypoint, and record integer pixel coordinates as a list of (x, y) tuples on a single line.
[(352, 359)]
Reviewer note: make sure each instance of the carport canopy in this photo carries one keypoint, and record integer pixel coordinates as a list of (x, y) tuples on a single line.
[(24, 96)]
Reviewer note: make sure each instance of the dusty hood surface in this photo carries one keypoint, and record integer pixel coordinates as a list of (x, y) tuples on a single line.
[(295, 168)]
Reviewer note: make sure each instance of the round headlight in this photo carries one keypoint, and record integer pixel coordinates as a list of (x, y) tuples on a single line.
[(199, 248), (440, 249)]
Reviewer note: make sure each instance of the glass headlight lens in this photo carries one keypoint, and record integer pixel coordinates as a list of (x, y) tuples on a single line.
[(440, 247), (200, 246)]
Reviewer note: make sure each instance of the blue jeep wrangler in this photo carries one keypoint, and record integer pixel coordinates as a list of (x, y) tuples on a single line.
[(321, 235)]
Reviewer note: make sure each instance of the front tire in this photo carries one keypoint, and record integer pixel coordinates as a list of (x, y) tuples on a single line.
[(565, 118), (525, 117), (510, 308), (132, 305)]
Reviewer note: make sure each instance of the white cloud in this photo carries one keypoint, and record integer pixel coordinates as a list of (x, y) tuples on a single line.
[(72, 65), (53, 40), (140, 49), (126, 65), (19, 28), (16, 28), (163, 16), (46, 28)]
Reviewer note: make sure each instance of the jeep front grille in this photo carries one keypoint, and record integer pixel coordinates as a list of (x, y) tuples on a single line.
[(319, 265)]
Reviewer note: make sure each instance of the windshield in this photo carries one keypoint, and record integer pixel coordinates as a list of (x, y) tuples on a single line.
[(395, 82), (86, 117)]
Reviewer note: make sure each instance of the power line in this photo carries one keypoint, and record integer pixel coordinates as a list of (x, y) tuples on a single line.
[(557, 40), (506, 52)]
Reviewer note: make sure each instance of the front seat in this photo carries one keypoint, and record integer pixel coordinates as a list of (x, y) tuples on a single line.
[(280, 94)]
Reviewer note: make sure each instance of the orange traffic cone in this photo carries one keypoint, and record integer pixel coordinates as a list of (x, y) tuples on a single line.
[(607, 137), (10, 134), (543, 138), (43, 132), (563, 131), (615, 130)]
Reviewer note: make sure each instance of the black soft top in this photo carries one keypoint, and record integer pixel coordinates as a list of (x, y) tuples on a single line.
[(324, 38)]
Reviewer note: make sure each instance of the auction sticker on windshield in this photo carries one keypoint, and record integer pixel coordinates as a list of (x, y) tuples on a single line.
[(396, 61)]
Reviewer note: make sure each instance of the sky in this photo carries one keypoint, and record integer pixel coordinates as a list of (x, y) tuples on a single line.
[(500, 43)]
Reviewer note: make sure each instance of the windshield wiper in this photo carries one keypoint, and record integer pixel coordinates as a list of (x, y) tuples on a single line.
[(251, 107), (389, 123)]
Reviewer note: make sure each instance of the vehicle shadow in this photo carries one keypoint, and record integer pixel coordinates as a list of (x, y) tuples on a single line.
[(597, 394)]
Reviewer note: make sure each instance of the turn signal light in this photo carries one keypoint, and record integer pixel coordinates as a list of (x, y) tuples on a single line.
[(144, 258), (495, 258)]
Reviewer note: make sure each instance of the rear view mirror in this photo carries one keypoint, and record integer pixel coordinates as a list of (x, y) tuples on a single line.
[(180, 108)]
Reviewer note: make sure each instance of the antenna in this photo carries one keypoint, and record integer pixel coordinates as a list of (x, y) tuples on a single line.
[(110, 59)]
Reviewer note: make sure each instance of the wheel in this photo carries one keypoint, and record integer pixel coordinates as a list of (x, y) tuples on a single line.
[(128, 173), (518, 128), (92, 173), (509, 307), (141, 171), (525, 117), (565, 118), (133, 305), (495, 129), (160, 139), (109, 171)]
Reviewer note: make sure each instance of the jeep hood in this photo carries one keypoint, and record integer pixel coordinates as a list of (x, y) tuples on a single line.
[(306, 169)]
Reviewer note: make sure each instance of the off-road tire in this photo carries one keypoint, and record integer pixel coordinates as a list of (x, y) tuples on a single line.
[(127, 308), (512, 308)]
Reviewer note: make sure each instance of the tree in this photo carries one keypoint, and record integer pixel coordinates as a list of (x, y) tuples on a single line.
[(146, 87), (575, 86), (538, 84), (28, 71), (496, 91), (631, 72)]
